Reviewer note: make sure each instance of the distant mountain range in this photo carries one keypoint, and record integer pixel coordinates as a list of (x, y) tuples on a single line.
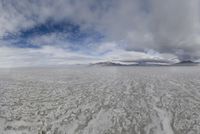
[(187, 63), (145, 63)]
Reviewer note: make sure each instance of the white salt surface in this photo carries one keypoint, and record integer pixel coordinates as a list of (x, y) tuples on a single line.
[(100, 100)]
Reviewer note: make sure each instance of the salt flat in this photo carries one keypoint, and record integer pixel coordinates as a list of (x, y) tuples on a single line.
[(100, 100)]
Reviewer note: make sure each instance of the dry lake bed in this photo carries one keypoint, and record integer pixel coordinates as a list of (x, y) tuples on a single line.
[(100, 100)]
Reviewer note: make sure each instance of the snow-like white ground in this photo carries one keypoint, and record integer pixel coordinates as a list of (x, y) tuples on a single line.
[(100, 100)]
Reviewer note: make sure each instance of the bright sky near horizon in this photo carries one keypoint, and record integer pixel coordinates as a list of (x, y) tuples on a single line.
[(62, 32)]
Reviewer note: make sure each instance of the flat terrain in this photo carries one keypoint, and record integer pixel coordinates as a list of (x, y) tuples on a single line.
[(100, 100)]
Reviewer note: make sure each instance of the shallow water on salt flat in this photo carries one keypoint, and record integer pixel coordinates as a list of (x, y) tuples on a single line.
[(100, 100)]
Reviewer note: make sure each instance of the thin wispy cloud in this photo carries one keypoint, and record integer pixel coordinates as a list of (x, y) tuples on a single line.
[(85, 31)]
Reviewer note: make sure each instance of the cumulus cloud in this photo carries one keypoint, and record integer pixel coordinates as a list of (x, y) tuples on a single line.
[(45, 56), (175, 27), (136, 29)]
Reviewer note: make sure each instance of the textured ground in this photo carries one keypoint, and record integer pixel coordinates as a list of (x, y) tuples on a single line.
[(100, 100)]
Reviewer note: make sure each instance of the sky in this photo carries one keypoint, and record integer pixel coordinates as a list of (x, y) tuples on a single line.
[(65, 32)]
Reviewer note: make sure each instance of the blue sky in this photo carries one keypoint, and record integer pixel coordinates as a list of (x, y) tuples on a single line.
[(62, 32)]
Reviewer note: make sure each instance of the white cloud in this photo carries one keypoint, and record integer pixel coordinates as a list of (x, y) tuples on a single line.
[(131, 28), (45, 56), (51, 39), (52, 55)]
